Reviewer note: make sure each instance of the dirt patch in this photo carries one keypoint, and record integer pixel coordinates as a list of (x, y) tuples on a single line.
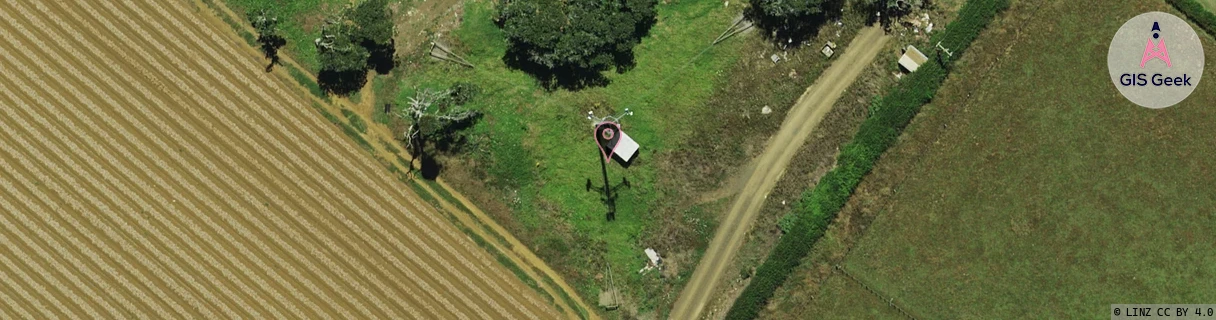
[(311, 23), (426, 19)]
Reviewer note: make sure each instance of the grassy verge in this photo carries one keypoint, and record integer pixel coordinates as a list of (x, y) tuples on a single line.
[(299, 21), (307, 82), (887, 119), (355, 121), (347, 129)]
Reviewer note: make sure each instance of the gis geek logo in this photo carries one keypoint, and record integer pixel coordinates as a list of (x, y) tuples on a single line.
[(1144, 71), (1157, 51)]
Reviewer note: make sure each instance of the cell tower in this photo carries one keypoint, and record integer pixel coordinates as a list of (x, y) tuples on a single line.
[(611, 140)]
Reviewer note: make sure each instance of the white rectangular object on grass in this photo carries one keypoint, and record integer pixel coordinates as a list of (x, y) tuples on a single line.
[(625, 147)]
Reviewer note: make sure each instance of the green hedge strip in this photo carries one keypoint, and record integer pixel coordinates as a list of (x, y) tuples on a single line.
[(1206, 19), (877, 133)]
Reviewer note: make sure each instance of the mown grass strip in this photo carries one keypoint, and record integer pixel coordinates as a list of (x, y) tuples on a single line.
[(582, 313), (878, 132), (355, 121), (303, 79), (251, 39), (1198, 13), (346, 128)]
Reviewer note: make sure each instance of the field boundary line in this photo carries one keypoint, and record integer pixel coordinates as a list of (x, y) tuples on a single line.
[(986, 77), (890, 301)]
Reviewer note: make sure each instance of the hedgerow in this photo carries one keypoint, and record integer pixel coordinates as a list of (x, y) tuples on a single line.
[(879, 131), (1206, 19)]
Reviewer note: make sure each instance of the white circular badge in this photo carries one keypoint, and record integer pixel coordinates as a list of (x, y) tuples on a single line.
[(1155, 60)]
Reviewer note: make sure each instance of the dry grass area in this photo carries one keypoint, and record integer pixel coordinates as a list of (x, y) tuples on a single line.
[(151, 169)]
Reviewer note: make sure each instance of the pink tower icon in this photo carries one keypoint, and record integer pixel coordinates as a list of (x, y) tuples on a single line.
[(1157, 51)]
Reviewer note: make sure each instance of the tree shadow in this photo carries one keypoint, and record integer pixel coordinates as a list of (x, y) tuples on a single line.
[(381, 57), (789, 31), (553, 78), (342, 83), (270, 48), (429, 167)]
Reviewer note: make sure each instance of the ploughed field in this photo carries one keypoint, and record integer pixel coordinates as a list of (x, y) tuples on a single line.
[(150, 168)]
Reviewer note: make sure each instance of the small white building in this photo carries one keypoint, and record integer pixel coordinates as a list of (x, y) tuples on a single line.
[(912, 59), (655, 260)]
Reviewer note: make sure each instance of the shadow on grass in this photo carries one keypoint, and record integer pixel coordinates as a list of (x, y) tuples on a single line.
[(381, 58), (791, 31), (341, 83), (553, 78), (430, 168)]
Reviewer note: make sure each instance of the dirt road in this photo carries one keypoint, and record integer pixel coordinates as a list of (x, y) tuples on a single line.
[(798, 125), (149, 168)]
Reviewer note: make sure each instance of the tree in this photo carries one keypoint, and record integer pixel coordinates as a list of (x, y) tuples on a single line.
[(374, 31), (267, 26), (343, 62), (437, 117), (793, 20), (358, 38), (569, 42)]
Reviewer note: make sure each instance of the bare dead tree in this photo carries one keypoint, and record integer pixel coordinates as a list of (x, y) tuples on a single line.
[(429, 104)]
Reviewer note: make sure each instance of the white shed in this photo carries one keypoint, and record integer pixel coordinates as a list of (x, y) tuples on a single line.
[(912, 59)]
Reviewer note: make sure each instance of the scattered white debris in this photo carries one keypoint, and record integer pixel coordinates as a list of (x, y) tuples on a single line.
[(766, 110), (654, 263), (654, 257), (775, 58), (929, 28), (727, 4)]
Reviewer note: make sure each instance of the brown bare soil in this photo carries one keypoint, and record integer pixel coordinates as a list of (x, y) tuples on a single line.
[(151, 169)]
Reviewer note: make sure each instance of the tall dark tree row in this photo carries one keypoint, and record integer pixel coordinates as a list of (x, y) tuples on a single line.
[(351, 43), (569, 42)]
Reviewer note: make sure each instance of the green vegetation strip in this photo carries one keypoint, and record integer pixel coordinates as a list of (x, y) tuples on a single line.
[(877, 133), (249, 37), (355, 121), (346, 128), (307, 82), (1195, 10)]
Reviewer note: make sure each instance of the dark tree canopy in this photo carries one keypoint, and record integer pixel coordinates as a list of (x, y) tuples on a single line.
[(358, 39), (269, 38), (374, 31), (793, 20), (374, 22), (343, 61), (569, 42)]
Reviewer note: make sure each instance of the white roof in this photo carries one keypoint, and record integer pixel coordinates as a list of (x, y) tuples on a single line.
[(653, 255), (625, 147), (912, 59)]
